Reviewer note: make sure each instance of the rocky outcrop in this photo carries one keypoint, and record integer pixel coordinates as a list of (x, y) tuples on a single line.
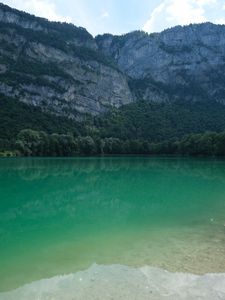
[(64, 70), (187, 62), (56, 66), (72, 34)]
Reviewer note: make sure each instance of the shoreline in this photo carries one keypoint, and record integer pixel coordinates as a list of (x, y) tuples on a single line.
[(123, 282)]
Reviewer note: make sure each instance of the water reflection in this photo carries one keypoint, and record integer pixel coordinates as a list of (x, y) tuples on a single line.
[(46, 187), (40, 168), (82, 211)]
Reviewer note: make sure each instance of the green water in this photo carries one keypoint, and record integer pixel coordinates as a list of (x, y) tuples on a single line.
[(58, 216)]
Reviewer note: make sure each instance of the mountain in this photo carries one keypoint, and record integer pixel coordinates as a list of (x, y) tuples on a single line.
[(185, 63), (56, 66), (57, 78), (64, 70)]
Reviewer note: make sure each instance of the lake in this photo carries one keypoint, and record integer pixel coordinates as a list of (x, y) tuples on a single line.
[(60, 216)]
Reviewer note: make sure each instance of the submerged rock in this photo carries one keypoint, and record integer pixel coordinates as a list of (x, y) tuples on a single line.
[(122, 282)]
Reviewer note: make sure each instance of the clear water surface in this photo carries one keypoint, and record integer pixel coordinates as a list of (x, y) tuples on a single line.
[(59, 216)]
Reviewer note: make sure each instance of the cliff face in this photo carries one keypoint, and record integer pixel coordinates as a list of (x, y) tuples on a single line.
[(182, 62), (56, 66), (64, 70)]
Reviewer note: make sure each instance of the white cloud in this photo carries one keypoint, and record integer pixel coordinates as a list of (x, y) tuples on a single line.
[(104, 14), (177, 12), (40, 8), (220, 21)]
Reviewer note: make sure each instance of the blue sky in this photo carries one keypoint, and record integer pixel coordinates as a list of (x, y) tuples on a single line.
[(121, 16)]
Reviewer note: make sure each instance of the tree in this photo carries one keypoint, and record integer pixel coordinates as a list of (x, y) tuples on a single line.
[(86, 145), (30, 142)]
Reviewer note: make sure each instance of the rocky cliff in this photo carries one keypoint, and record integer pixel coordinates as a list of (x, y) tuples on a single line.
[(56, 66), (182, 62), (64, 70)]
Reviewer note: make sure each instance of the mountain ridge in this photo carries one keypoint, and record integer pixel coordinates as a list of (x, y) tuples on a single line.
[(58, 68), (63, 70), (60, 84), (173, 63)]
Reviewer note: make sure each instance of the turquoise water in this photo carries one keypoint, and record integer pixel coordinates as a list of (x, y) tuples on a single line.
[(59, 216)]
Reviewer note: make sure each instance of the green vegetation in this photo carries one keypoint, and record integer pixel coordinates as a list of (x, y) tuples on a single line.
[(37, 68), (14, 78), (176, 91), (8, 153), (120, 40), (157, 122), (34, 143), (76, 41), (72, 40), (208, 143), (139, 128), (67, 31), (173, 49), (16, 116)]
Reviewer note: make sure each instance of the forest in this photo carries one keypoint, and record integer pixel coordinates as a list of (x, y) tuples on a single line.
[(39, 143), (148, 128)]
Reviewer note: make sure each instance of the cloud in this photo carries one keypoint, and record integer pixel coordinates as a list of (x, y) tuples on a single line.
[(40, 8), (104, 14), (177, 12), (220, 21)]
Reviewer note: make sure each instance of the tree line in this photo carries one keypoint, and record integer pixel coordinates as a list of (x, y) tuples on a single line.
[(38, 143), (138, 128)]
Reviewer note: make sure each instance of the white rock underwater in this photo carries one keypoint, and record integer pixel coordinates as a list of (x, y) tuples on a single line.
[(121, 282)]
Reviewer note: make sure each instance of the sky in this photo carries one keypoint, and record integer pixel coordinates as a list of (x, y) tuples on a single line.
[(122, 16)]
